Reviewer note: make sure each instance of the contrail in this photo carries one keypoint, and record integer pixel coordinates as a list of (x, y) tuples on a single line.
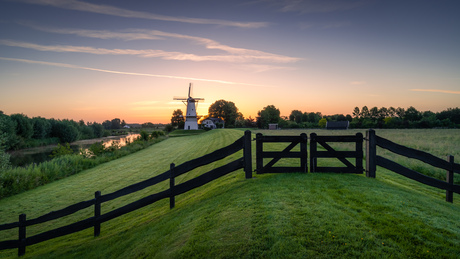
[(436, 91), (122, 72)]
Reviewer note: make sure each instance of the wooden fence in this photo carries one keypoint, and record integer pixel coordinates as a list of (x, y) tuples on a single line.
[(373, 160), (244, 162), (330, 152), (277, 155)]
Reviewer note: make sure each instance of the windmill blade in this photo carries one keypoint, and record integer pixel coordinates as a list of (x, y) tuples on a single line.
[(190, 90), (180, 98), (198, 99)]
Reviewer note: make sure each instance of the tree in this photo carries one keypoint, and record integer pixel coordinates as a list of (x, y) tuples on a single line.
[(391, 111), (269, 114), (8, 130), (116, 123), (412, 114), (356, 113), (314, 117), (400, 112), (322, 123), (177, 119), (24, 127), (365, 112), (452, 114), (4, 157), (225, 110), (374, 112), (41, 127), (66, 131), (98, 129), (383, 113), (250, 122), (296, 116), (107, 124)]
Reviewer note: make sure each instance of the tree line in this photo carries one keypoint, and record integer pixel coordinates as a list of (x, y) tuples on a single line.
[(19, 131), (359, 118), (364, 118)]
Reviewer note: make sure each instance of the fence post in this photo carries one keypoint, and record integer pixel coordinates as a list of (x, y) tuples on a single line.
[(450, 179), (371, 153), (359, 151), (172, 201), (247, 155), (97, 213), (313, 148), (22, 235), (259, 151), (303, 152)]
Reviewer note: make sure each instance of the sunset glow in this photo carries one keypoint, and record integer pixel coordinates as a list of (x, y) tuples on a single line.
[(99, 60)]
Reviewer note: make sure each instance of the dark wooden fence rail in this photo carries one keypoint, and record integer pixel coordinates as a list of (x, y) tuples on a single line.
[(277, 155), (332, 153), (244, 162), (373, 160)]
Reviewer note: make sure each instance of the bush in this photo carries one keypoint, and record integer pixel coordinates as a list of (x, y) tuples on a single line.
[(144, 135), (157, 133), (169, 128), (62, 150), (97, 148), (322, 123)]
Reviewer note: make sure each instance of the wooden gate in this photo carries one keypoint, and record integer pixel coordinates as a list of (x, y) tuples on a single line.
[(277, 155), (332, 153)]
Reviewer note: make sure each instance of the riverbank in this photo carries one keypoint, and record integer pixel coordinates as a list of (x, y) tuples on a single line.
[(19, 179), (37, 155)]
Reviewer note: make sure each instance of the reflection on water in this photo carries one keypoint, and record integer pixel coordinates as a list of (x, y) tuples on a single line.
[(42, 154)]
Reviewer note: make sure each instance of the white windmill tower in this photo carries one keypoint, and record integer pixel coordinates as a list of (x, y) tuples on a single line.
[(191, 118)]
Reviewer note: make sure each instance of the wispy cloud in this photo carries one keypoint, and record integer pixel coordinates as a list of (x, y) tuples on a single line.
[(115, 11), (258, 68), (317, 6), (237, 55), (124, 73), (436, 91), (142, 34)]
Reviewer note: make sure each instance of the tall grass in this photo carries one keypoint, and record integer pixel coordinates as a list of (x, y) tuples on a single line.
[(20, 179)]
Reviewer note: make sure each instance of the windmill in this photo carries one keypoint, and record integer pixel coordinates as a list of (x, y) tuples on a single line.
[(191, 122)]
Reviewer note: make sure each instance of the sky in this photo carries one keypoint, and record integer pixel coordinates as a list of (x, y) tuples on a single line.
[(99, 60)]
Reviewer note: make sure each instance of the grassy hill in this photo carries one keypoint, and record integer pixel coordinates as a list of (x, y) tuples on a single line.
[(269, 216)]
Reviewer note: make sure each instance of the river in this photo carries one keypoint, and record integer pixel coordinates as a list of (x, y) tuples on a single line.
[(38, 155)]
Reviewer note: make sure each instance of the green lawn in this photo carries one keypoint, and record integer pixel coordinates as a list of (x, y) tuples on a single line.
[(269, 216)]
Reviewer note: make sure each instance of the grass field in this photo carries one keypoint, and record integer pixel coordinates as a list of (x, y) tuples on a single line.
[(269, 216)]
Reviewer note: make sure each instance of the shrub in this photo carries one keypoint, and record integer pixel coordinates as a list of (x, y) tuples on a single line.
[(61, 150), (156, 134), (169, 128), (322, 123), (97, 148), (144, 135)]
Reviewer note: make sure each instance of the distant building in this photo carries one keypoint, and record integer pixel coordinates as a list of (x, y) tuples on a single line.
[(213, 123), (337, 125), (273, 126)]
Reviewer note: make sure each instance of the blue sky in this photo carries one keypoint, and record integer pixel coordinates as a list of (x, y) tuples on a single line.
[(97, 60)]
